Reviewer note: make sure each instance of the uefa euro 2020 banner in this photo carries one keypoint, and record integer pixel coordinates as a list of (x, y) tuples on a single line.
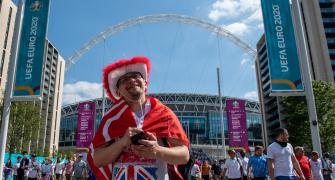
[(31, 50), (237, 124), (85, 124), (281, 47)]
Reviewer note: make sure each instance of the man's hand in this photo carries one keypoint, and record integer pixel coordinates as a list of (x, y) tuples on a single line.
[(149, 147), (131, 131)]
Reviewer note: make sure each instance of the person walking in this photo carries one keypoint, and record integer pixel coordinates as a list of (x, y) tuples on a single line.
[(47, 169), (282, 163), (303, 162), (205, 170), (257, 165), (216, 170), (22, 171), (8, 170), (195, 171), (59, 169), (79, 168), (34, 168), (316, 166), (233, 166), (68, 168), (16, 167), (245, 161), (327, 167)]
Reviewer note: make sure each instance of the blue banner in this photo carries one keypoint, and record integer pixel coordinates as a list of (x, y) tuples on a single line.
[(31, 50), (284, 68)]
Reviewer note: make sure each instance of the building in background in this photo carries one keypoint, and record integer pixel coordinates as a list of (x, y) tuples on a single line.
[(269, 105), (7, 21), (199, 116), (319, 21), (51, 91)]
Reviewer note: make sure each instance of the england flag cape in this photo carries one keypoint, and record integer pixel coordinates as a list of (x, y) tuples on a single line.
[(160, 120)]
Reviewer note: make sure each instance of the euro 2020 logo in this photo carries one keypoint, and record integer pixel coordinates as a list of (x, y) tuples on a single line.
[(236, 104), (87, 107), (36, 6)]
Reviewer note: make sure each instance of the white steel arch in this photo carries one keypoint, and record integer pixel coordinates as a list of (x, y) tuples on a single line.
[(158, 18)]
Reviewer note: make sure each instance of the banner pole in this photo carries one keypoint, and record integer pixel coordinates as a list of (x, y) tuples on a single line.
[(221, 115), (306, 73)]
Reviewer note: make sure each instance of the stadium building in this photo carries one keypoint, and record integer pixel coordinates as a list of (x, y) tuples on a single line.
[(199, 116)]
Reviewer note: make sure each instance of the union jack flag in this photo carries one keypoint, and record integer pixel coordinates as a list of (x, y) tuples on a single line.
[(131, 172)]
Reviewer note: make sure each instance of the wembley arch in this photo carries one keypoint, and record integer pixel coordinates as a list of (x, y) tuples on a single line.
[(220, 30)]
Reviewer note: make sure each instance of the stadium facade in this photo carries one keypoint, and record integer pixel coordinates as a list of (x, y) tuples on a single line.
[(199, 116)]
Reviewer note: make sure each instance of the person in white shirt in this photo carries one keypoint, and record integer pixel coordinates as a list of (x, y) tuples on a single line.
[(59, 168), (195, 171), (233, 167), (316, 166), (47, 169), (281, 159), (245, 161), (16, 166), (33, 168)]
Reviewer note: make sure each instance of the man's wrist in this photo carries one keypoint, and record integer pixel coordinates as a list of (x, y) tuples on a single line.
[(159, 152), (123, 142)]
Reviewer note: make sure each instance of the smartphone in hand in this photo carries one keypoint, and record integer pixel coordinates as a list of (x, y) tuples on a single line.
[(137, 137)]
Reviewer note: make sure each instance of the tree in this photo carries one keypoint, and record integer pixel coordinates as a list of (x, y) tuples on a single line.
[(296, 114), (23, 126)]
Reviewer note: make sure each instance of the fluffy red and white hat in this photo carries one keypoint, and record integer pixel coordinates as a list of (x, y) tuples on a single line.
[(112, 73)]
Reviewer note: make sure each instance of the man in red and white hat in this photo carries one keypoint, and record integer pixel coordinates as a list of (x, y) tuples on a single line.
[(164, 145)]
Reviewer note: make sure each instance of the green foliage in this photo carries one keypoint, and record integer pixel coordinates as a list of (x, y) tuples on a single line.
[(296, 114), (46, 152), (23, 126)]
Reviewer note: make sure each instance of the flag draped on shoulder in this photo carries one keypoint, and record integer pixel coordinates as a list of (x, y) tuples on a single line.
[(160, 120)]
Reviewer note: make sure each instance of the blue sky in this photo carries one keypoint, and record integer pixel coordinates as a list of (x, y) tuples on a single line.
[(184, 57)]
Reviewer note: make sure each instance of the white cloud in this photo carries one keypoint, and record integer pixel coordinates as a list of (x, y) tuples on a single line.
[(244, 61), (81, 91), (251, 95), (234, 8), (256, 16), (238, 28)]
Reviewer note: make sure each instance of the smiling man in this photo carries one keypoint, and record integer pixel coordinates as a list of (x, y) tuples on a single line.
[(164, 145)]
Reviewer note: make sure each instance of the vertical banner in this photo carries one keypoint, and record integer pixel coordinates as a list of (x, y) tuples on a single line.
[(31, 50), (237, 123), (281, 47), (85, 124)]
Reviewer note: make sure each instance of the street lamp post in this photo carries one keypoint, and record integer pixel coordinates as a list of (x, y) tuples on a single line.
[(72, 138)]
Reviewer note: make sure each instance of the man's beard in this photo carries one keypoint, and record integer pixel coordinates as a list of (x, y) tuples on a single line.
[(135, 96)]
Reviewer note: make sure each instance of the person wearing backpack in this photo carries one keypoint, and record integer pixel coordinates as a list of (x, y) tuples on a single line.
[(233, 167)]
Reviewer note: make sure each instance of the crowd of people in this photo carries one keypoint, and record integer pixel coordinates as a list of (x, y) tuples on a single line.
[(280, 162), (62, 169)]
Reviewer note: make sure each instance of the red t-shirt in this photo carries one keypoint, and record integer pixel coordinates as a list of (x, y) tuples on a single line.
[(305, 166)]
